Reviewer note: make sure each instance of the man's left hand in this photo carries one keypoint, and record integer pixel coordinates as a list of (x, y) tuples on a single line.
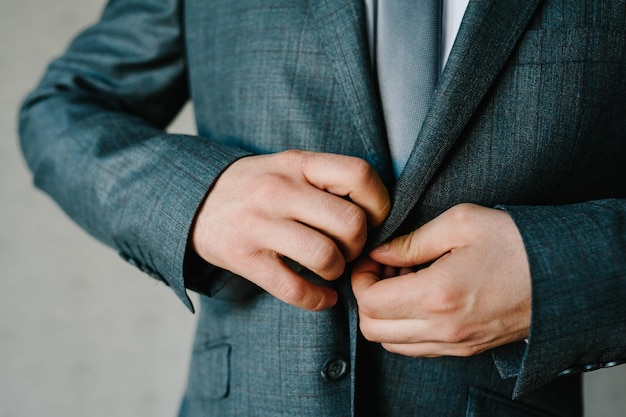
[(474, 295)]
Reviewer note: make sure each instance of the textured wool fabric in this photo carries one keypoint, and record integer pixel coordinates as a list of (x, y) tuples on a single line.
[(528, 116)]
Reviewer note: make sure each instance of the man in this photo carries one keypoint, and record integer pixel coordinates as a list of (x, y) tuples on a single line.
[(527, 124)]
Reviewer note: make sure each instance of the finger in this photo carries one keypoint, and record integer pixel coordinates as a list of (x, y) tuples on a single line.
[(350, 177), (271, 274), (420, 338), (435, 350), (418, 247), (414, 330), (400, 331), (386, 299), (341, 220), (393, 298), (429, 242), (304, 245), (365, 274)]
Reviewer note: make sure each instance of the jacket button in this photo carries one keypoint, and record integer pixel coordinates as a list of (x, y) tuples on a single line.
[(613, 363), (334, 368), (568, 371), (592, 367)]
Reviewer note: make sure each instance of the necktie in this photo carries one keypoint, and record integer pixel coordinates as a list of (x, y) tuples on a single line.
[(407, 60)]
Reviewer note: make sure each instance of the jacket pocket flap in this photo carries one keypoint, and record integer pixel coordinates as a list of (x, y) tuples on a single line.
[(209, 373)]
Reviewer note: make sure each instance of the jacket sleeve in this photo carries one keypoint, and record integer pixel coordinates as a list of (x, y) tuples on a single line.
[(577, 256), (93, 135)]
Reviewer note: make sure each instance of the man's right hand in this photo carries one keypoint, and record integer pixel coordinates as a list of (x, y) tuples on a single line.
[(313, 208)]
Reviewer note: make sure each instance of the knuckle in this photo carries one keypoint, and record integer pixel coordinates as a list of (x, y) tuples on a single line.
[(355, 233), (455, 334), (292, 154), (268, 186), (409, 245), (297, 160), (363, 172), (317, 306), (291, 292), (360, 167), (354, 217), (461, 212), (467, 351), (367, 331), (367, 308), (463, 215), (326, 260), (443, 300)]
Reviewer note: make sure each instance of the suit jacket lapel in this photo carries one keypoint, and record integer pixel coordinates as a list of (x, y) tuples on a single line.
[(489, 32), (344, 36)]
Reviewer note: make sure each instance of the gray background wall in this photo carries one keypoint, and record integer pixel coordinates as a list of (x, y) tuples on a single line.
[(81, 332)]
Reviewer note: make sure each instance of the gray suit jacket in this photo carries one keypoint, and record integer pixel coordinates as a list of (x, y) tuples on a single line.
[(529, 116)]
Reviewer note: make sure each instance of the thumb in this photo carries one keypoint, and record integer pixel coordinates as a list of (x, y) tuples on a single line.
[(423, 245), (365, 274)]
